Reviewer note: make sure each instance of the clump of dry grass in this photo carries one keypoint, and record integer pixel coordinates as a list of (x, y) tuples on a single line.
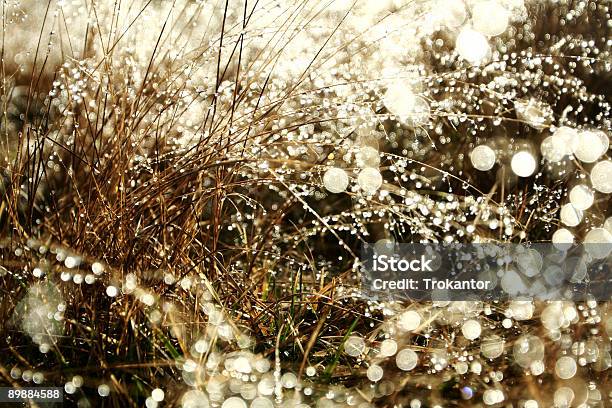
[(166, 223)]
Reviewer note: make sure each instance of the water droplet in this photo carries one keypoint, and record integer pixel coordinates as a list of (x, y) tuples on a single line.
[(369, 180), (483, 158), (375, 373), (523, 164), (406, 360), (335, 180)]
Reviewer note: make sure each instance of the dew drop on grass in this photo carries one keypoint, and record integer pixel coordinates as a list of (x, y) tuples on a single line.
[(335, 180), (537, 367), (483, 158), (608, 225), (248, 391), (526, 349), (195, 399), (598, 243), (565, 367), (492, 346), (354, 346), (157, 394), (289, 380), (369, 180), (234, 402), (266, 386), (367, 156), (69, 387), (492, 396), (111, 291), (388, 348), (590, 146), (552, 149), (242, 365), (552, 316), (566, 138), (581, 197), (262, 402), (201, 346), (262, 365), (563, 397), (410, 108), (471, 329), (601, 176), (77, 380), (38, 378), (406, 360), (570, 215), (375, 373), (97, 268), (523, 164), (562, 239), (472, 46), (409, 320), (490, 18), (72, 262), (103, 390)]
